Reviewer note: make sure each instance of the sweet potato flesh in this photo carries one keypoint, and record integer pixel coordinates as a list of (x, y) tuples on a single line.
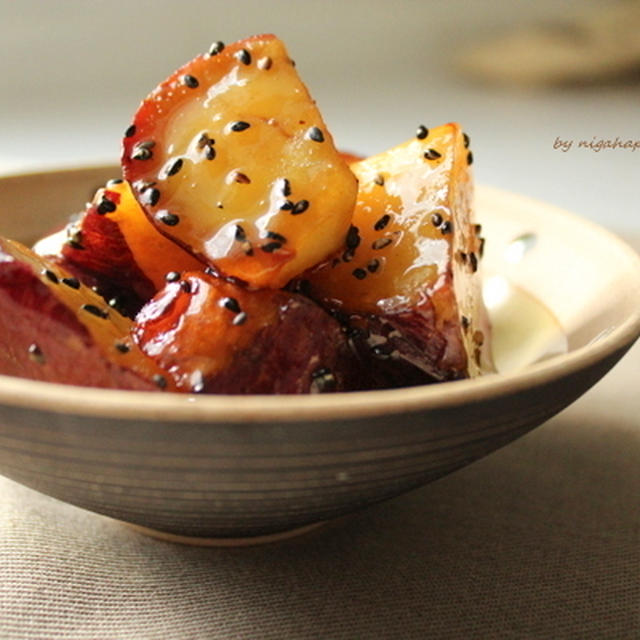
[(411, 255), (231, 158)]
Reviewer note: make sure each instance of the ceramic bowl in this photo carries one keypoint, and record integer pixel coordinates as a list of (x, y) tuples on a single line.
[(564, 297)]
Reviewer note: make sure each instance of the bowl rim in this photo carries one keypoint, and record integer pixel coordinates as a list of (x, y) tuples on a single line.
[(238, 409)]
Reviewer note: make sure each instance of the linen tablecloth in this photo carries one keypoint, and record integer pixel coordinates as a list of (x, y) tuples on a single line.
[(538, 540)]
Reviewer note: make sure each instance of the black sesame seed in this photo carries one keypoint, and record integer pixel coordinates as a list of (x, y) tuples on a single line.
[(73, 283), (432, 154), (241, 178), (185, 285), (353, 237), (382, 351), (270, 247), (51, 276), (469, 158), (160, 381), (239, 125), (240, 234), (264, 63), (348, 255), (477, 228), (243, 56), (190, 81), (382, 223), (473, 261), (231, 304), (381, 243), (315, 134), (216, 48), (143, 185), (175, 167), (35, 353), (168, 218), (462, 256), (286, 187), (114, 181), (117, 303), (241, 318), (379, 180), (96, 311), (323, 380), (287, 205), (131, 131), (141, 152), (481, 248), (106, 206), (466, 139), (373, 265), (204, 140), (276, 236), (210, 153), (172, 276), (446, 227), (436, 219), (152, 196), (359, 273), (466, 323), (300, 207), (122, 347), (422, 132)]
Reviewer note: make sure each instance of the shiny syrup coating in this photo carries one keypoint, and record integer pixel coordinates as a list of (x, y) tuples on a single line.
[(409, 260), (404, 220), (152, 252), (234, 153), (64, 331), (214, 336)]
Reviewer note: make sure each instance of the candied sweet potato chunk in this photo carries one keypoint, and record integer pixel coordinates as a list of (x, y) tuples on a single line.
[(407, 279), (231, 158), (114, 247), (54, 328), (217, 337)]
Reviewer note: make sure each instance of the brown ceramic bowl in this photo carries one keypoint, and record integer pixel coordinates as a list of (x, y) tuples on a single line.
[(565, 301)]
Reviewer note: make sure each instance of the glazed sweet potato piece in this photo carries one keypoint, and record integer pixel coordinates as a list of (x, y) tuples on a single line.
[(56, 329), (214, 336), (231, 159), (406, 280), (114, 248)]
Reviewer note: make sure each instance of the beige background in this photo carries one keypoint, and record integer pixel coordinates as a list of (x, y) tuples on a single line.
[(73, 71)]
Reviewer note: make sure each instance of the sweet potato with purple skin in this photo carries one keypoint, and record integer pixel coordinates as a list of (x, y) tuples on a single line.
[(214, 336), (406, 280), (115, 249), (231, 159), (55, 329)]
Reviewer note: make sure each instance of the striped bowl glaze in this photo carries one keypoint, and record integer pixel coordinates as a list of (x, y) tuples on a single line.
[(564, 296)]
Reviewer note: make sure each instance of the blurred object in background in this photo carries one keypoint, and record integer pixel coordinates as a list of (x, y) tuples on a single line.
[(594, 45)]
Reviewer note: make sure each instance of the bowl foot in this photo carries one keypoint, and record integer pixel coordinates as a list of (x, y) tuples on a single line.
[(196, 541)]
